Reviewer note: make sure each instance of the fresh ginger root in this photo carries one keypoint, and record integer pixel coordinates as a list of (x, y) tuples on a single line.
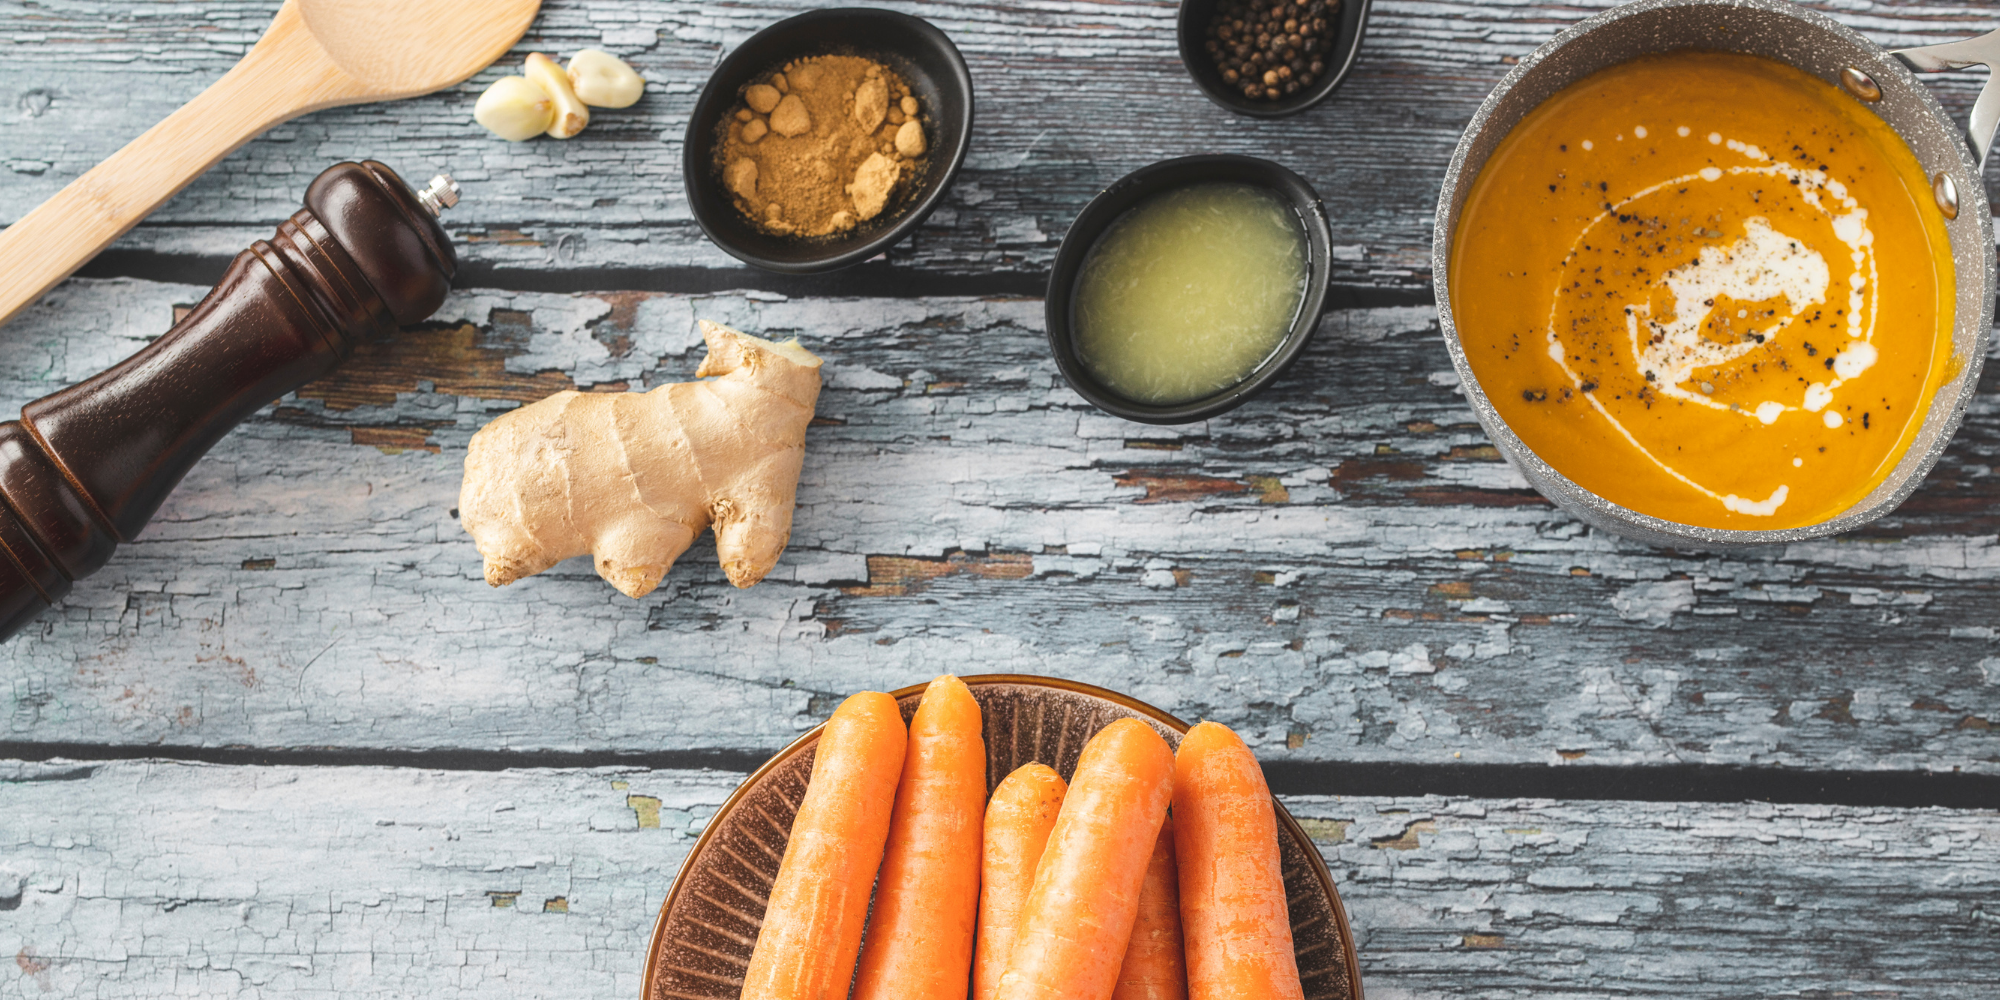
[(632, 478)]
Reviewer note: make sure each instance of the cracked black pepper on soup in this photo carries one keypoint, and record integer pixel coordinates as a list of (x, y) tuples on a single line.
[(1268, 49)]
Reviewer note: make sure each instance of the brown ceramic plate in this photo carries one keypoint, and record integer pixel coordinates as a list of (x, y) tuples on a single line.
[(707, 926)]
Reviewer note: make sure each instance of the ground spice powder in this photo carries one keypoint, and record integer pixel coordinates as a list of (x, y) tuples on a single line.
[(821, 145)]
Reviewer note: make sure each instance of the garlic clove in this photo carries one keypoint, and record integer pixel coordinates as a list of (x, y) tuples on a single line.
[(571, 114), (602, 80), (515, 108)]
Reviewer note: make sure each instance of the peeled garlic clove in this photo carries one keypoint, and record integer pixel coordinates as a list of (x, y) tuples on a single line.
[(602, 80), (571, 115), (515, 108)]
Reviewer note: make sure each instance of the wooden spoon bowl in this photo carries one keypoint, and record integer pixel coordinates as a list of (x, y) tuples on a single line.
[(316, 54), (402, 48), (708, 924)]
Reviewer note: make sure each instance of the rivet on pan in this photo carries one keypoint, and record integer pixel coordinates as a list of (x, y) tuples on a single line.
[(1946, 190), (1860, 85)]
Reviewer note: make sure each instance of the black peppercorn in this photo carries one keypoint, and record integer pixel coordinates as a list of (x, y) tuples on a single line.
[(1270, 48)]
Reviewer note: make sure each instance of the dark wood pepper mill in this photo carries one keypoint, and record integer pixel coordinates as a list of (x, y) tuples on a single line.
[(86, 468)]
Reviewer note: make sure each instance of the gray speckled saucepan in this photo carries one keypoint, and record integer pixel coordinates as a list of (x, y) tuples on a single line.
[(1819, 45)]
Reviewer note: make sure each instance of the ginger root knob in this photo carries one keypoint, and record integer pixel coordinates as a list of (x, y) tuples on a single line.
[(632, 478)]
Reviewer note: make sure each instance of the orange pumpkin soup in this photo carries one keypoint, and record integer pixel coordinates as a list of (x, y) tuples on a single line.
[(1709, 287)]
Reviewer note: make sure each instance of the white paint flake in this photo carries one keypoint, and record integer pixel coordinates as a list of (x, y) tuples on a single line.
[(1654, 603)]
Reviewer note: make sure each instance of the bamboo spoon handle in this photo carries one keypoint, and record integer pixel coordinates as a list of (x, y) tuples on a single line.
[(284, 75)]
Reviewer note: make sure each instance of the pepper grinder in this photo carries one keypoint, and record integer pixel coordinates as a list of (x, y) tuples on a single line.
[(86, 468)]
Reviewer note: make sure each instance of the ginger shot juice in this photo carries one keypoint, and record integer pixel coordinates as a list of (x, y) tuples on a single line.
[(1189, 292)]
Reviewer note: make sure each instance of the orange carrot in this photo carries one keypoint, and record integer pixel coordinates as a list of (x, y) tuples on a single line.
[(1018, 821), (1239, 930), (1155, 968), (1079, 914), (819, 901), (927, 900)]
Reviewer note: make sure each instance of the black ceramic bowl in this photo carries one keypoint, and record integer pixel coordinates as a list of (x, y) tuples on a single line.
[(909, 45), (1349, 21), (1136, 187)]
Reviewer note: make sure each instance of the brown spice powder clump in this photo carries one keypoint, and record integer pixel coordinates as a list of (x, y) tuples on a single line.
[(821, 145)]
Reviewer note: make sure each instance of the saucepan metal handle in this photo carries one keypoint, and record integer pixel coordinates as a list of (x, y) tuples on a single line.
[(1981, 51)]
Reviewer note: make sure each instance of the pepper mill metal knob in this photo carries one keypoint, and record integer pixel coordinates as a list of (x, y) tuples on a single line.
[(86, 468), (441, 193)]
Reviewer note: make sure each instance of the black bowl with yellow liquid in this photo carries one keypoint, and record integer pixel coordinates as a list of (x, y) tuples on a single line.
[(1138, 187)]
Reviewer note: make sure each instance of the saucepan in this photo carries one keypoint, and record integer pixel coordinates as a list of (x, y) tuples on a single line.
[(1823, 47)]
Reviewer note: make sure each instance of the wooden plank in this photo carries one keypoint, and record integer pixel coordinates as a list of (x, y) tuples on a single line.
[(1071, 96), (138, 878), (1343, 569)]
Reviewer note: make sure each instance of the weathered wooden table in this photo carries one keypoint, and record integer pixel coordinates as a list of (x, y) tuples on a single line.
[(290, 743)]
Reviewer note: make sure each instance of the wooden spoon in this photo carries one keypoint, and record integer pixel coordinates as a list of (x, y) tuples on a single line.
[(316, 54)]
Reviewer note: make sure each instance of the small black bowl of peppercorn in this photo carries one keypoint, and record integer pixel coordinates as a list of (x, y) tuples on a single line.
[(1270, 58)]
